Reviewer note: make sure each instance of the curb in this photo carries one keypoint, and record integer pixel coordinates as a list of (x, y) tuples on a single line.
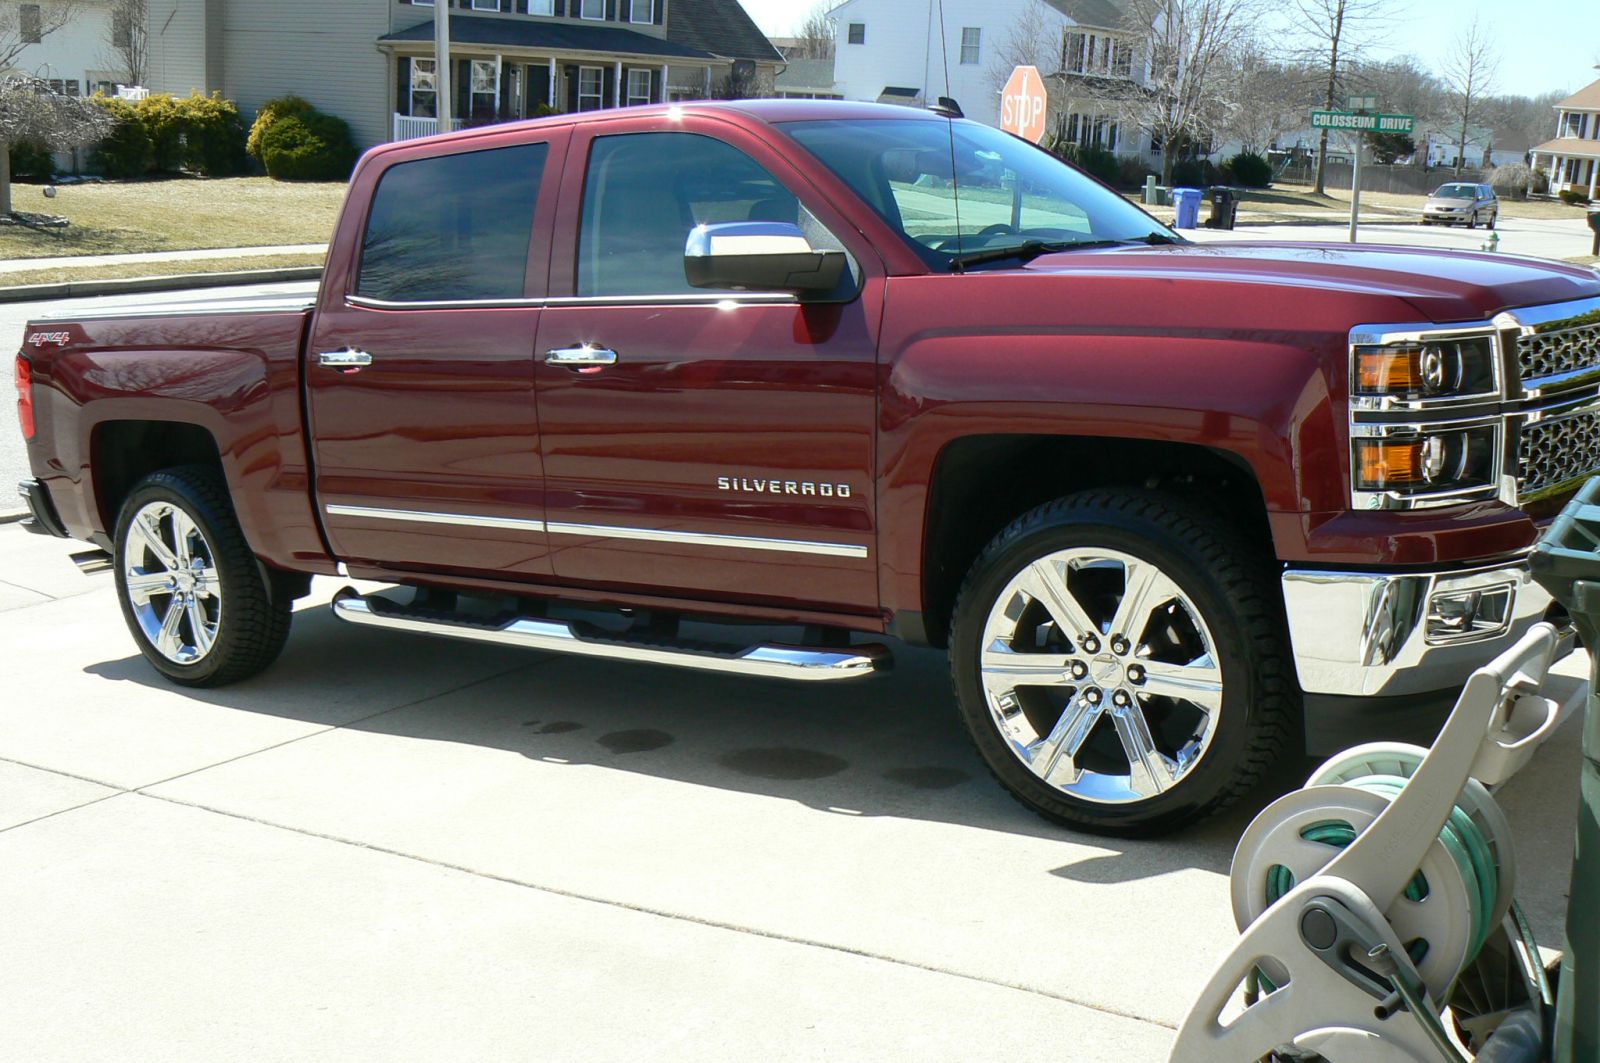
[(165, 283)]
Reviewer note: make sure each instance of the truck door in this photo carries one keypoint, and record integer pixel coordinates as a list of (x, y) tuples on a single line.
[(703, 444), (419, 366)]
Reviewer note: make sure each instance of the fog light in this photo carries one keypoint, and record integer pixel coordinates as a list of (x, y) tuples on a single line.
[(1466, 615)]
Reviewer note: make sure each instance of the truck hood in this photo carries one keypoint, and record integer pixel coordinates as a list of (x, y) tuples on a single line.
[(1443, 286)]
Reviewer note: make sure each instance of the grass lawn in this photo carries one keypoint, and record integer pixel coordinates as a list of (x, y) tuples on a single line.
[(174, 214), (59, 274)]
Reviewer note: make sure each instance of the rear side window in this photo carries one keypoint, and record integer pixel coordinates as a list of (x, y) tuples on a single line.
[(453, 227)]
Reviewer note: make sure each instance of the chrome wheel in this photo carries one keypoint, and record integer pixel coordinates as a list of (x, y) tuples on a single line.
[(1101, 675), (173, 589)]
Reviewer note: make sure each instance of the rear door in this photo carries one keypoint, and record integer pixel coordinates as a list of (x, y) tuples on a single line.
[(721, 446), (419, 369)]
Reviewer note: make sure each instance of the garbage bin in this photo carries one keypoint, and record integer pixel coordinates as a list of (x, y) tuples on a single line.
[(1566, 562), (1224, 207), (1594, 223), (1187, 200)]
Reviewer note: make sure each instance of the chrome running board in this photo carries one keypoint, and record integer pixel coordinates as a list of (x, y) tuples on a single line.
[(806, 663)]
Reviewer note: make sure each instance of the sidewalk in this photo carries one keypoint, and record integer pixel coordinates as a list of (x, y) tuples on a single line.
[(28, 265)]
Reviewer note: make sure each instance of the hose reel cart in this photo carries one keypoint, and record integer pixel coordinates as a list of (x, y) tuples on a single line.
[(1377, 904)]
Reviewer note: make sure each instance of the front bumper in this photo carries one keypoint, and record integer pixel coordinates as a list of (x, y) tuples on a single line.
[(1381, 634), (42, 518)]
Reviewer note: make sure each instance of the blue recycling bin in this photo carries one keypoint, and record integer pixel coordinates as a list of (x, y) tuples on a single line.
[(1187, 200)]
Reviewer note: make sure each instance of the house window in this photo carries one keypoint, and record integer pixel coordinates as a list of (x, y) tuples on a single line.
[(102, 87), (592, 9), (121, 30), (591, 88), (452, 227), (60, 87), (485, 102), (541, 7), (858, 33), (30, 24), (638, 87), (971, 45), (1121, 59), (1072, 53), (641, 10), (424, 88), (486, 5)]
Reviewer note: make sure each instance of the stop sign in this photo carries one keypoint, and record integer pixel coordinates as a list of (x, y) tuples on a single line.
[(1022, 104)]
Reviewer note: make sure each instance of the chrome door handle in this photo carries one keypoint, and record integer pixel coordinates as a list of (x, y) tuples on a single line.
[(586, 357), (349, 358)]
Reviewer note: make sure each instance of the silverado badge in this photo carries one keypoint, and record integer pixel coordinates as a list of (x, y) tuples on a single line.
[(757, 486)]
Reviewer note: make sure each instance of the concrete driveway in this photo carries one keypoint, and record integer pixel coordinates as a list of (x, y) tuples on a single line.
[(392, 848)]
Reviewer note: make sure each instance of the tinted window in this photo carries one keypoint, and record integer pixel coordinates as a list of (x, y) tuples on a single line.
[(645, 191), (454, 227)]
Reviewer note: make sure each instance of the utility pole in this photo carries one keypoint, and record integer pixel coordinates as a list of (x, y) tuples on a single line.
[(441, 73)]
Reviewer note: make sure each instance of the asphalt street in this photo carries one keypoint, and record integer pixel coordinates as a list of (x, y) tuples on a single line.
[(388, 847)]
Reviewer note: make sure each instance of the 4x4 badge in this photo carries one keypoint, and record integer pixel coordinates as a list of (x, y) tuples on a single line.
[(747, 485)]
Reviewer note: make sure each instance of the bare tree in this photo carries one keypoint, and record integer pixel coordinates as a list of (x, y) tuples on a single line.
[(1264, 98), (1335, 32), (129, 56), (739, 83), (814, 35), (1034, 39), (1188, 44), (1469, 72), (24, 24), (30, 110)]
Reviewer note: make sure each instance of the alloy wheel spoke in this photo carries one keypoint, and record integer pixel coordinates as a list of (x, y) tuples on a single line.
[(206, 582), (146, 529), (168, 641), (204, 634), (182, 527), (1059, 750), (1144, 588), (1029, 669), (1199, 682), (1044, 586), (142, 584), (1149, 770)]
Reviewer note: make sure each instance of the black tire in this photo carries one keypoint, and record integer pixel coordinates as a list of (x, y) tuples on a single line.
[(1235, 595), (1472, 220), (1494, 219), (253, 609)]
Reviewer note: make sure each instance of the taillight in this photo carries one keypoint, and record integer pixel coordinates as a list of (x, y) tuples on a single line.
[(25, 396)]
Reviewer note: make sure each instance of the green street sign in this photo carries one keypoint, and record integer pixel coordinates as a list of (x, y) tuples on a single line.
[(1363, 123)]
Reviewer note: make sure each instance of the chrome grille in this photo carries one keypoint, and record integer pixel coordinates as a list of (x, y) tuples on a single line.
[(1561, 351), (1554, 452)]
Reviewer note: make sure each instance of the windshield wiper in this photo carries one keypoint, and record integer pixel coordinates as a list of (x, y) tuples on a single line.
[(1029, 250)]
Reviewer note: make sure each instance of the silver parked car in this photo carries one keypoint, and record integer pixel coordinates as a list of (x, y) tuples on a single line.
[(1460, 201)]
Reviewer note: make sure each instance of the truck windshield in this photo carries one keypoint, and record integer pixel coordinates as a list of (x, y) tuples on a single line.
[(993, 193)]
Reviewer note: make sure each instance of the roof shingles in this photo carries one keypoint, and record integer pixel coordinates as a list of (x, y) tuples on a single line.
[(721, 27)]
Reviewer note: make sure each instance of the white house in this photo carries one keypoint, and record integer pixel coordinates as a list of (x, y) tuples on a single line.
[(893, 51), (78, 57), (1573, 158)]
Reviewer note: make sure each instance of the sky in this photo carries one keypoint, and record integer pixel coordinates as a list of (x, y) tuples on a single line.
[(1545, 45)]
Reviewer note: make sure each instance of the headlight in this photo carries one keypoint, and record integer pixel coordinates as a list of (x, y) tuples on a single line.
[(1412, 465), (1426, 421)]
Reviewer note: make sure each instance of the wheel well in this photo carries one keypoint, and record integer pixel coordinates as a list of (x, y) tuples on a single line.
[(121, 453), (982, 483)]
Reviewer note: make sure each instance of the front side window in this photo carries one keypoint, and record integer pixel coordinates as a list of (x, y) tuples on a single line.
[(971, 45), (988, 193), (643, 194), (641, 11), (424, 88), (638, 87), (591, 88), (453, 227), (592, 9), (858, 33)]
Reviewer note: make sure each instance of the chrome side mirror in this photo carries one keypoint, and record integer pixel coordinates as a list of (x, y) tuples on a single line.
[(759, 256)]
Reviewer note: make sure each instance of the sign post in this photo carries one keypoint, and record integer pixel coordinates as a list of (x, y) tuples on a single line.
[(1023, 104), (1361, 121)]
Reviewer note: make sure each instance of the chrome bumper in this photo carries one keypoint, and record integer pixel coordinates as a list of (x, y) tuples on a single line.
[(1374, 634)]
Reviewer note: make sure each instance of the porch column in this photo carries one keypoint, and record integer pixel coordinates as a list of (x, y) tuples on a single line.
[(554, 104), (617, 99), (1558, 173), (664, 75), (1594, 171), (708, 83)]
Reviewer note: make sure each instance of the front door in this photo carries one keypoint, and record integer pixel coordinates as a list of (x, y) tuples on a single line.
[(696, 444), (419, 370)]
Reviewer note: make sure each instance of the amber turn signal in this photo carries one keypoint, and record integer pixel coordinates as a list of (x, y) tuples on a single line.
[(1383, 465), (1388, 370)]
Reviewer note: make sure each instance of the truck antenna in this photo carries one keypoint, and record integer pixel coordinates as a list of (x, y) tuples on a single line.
[(944, 107)]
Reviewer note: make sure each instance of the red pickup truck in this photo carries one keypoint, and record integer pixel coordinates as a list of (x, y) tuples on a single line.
[(726, 386)]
